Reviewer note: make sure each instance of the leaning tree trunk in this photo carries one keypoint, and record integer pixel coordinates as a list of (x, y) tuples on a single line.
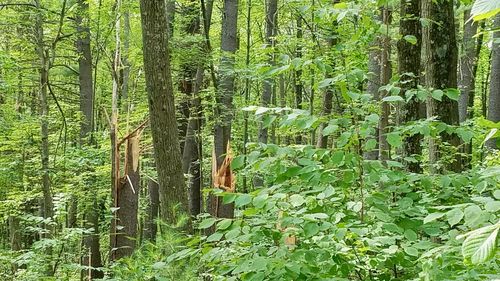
[(92, 254), (409, 72), (224, 102), (173, 193), (440, 57), (271, 32), (494, 98)]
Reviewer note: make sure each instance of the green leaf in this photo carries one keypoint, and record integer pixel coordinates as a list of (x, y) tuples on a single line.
[(437, 94), (238, 162), (224, 224), (206, 223), (411, 251), (454, 216), (453, 94), (411, 235), (480, 245), (242, 200), (393, 99), (214, 237), (484, 9), (432, 217), (492, 206), (473, 215), (311, 229), (330, 129), (394, 139), (297, 200), (410, 39)]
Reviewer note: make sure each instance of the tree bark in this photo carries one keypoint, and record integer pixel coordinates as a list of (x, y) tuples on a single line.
[(172, 191), (494, 97), (224, 100), (298, 72), (409, 72), (385, 76), (440, 58), (150, 228), (268, 85)]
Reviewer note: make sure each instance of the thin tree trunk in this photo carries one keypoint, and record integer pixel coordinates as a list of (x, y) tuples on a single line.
[(440, 58), (409, 71), (172, 191), (298, 73), (385, 76), (44, 115), (494, 98), (271, 32), (224, 100)]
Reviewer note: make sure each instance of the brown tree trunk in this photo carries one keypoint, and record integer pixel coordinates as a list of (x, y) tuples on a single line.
[(150, 226), (385, 76), (409, 71), (92, 254), (268, 85), (172, 191), (224, 100), (440, 58), (494, 97), (123, 242)]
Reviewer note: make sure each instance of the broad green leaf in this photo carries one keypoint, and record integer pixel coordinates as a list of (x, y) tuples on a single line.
[(411, 235), (411, 251), (492, 206), (242, 200), (394, 139), (206, 223), (238, 162), (297, 200), (484, 9), (214, 237), (393, 99), (480, 245), (410, 39), (454, 216), (432, 217), (437, 94), (225, 223), (311, 229)]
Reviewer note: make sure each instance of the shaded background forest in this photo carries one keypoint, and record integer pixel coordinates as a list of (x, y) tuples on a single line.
[(249, 140)]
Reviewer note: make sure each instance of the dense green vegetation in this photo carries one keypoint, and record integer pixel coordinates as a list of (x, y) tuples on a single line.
[(249, 140)]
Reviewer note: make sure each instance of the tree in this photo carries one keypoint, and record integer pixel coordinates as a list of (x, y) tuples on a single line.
[(494, 97), (172, 191), (440, 56), (224, 102), (409, 70)]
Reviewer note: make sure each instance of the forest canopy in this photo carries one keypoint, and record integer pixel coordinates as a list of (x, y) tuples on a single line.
[(249, 140)]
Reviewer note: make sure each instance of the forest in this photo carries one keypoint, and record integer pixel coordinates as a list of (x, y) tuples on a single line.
[(321, 140)]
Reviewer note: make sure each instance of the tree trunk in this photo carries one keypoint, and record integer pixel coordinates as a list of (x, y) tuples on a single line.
[(123, 244), (224, 100), (91, 242), (373, 85), (494, 98), (298, 73), (440, 57), (271, 32), (150, 227), (172, 190), (409, 72), (43, 56), (385, 76)]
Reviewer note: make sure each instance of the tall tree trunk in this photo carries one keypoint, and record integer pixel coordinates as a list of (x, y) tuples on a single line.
[(224, 100), (494, 98), (409, 72), (172, 191), (385, 76), (467, 77), (373, 83), (440, 57), (125, 69), (298, 72), (271, 32), (43, 56), (92, 256)]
